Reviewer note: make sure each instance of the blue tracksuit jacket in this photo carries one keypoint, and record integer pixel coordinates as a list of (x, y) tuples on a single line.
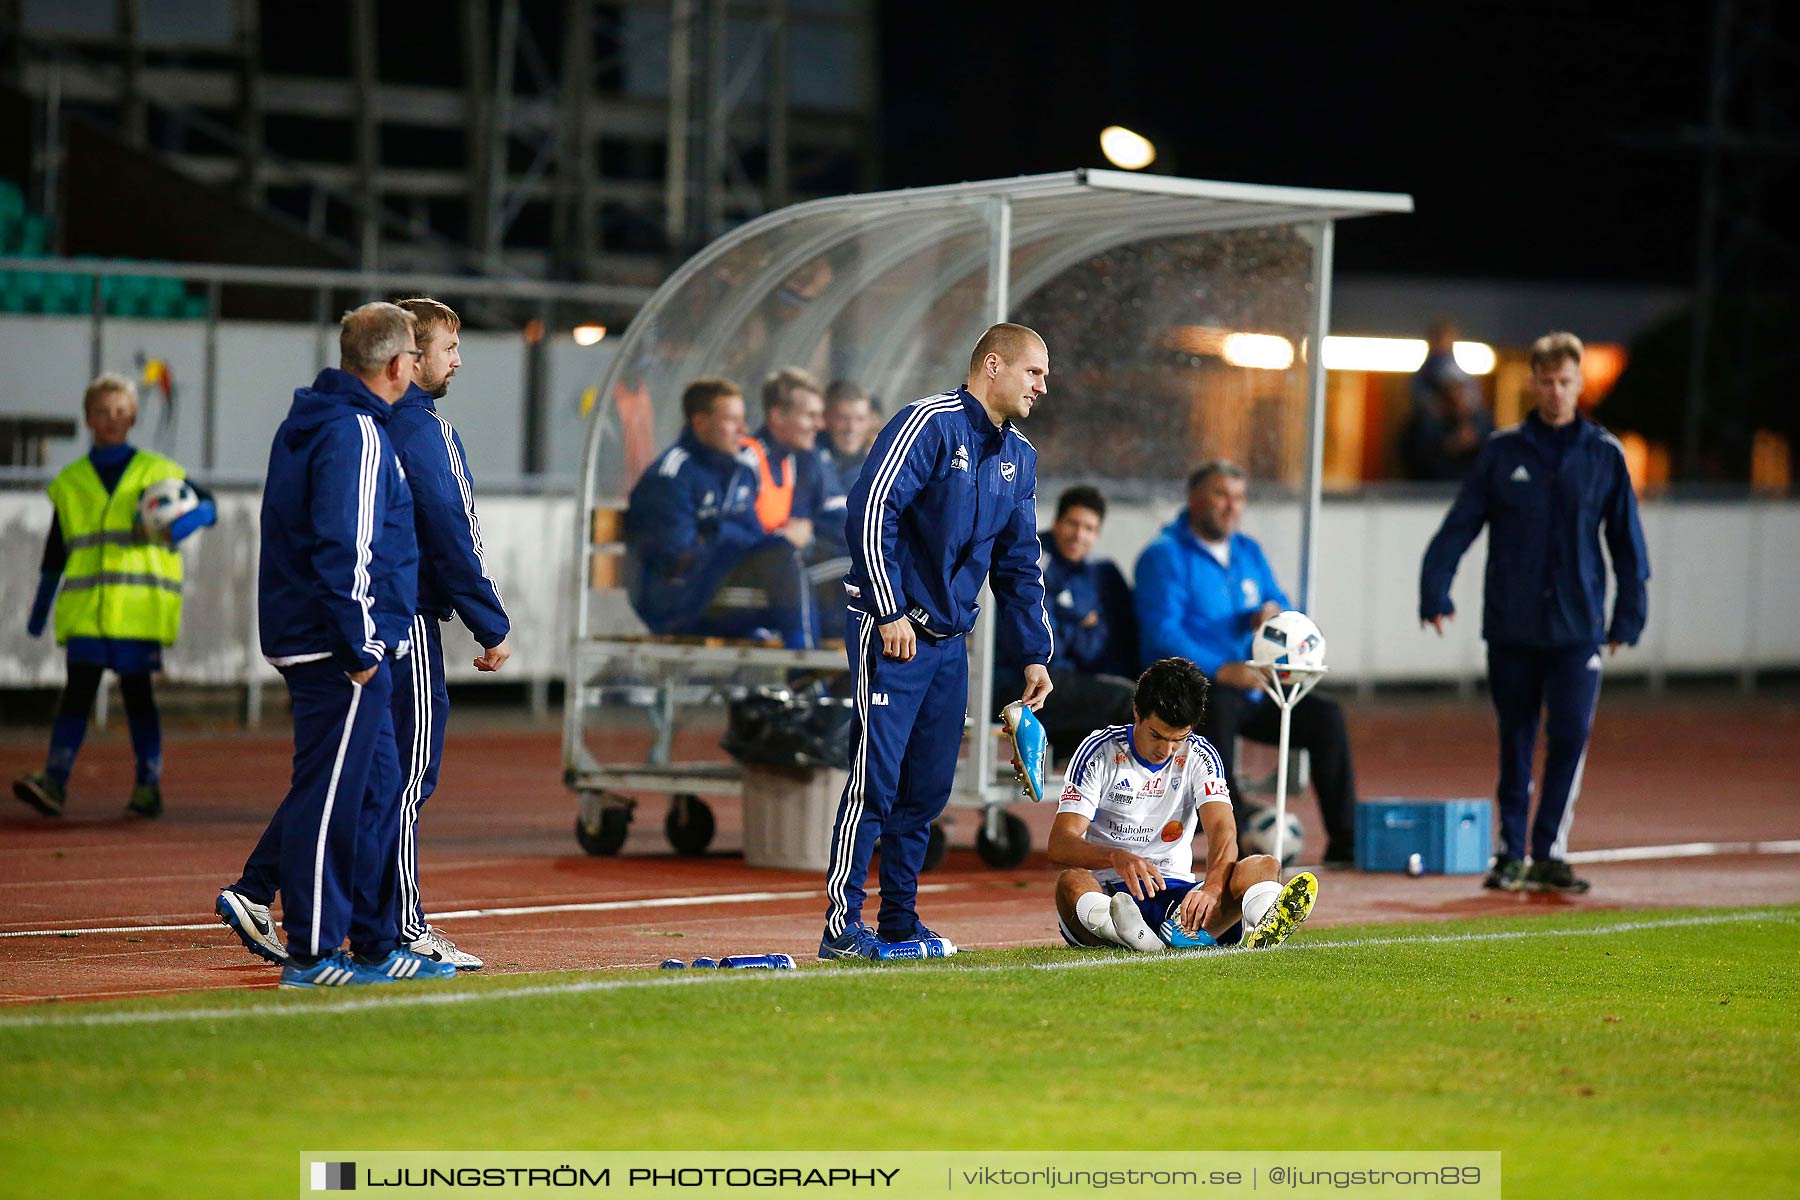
[(453, 574), (1072, 590), (837, 475), (945, 499), (338, 576), (1188, 606), (691, 518), (1545, 494)]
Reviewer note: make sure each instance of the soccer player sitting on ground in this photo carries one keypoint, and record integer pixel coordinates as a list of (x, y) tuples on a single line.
[(1124, 833)]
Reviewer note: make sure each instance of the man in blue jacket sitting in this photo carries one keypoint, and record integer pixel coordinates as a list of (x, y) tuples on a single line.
[(699, 559), (1203, 589), (1546, 488), (1089, 604)]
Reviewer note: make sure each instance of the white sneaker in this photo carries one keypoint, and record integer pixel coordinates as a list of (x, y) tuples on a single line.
[(1134, 933), (252, 924), (435, 945)]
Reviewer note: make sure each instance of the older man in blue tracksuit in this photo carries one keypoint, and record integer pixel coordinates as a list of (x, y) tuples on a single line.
[(1203, 589), (453, 581), (1546, 488), (336, 592), (946, 501)]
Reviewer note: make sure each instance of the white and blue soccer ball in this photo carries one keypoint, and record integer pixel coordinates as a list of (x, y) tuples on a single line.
[(163, 502), (1258, 835), (1288, 639)]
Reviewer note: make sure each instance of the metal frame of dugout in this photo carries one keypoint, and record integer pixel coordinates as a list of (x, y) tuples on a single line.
[(727, 310)]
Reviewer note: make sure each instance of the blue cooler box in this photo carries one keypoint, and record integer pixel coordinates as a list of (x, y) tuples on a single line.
[(1452, 837)]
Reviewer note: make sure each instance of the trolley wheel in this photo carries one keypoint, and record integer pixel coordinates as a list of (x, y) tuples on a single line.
[(604, 837), (936, 848), (689, 825), (1010, 849)]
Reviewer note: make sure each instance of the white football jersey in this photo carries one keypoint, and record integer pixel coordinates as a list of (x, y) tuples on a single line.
[(1152, 811)]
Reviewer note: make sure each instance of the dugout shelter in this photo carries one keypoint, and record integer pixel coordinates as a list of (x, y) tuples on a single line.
[(1183, 318)]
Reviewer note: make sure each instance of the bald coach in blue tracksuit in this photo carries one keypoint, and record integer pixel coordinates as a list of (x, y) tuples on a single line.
[(946, 501), (1546, 489)]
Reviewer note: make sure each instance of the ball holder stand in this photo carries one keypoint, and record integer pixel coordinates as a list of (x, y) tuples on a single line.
[(1286, 686)]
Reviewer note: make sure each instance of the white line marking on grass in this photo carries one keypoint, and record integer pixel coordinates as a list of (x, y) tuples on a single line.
[(523, 910), (439, 998), (1504, 935)]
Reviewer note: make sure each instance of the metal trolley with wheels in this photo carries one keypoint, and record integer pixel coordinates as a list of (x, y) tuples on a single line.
[(663, 677)]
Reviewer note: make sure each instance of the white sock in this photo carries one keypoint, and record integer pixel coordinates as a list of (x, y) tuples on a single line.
[(1134, 932), (1094, 911), (1257, 902)]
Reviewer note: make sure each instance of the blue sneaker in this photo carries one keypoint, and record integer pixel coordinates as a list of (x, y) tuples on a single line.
[(1177, 938), (334, 970), (857, 941), (407, 964)]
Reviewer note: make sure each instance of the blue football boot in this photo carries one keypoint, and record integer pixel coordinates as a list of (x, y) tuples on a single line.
[(1031, 748)]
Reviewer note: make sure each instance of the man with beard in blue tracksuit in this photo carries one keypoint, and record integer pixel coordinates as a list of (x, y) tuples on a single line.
[(337, 589), (1546, 489), (453, 581), (946, 501)]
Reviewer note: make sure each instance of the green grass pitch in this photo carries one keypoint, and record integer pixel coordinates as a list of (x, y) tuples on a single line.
[(1607, 1054)]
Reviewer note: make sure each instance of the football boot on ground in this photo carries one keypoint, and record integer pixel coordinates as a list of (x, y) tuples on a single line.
[(1554, 875), (1291, 907), (42, 793), (434, 945), (252, 924)]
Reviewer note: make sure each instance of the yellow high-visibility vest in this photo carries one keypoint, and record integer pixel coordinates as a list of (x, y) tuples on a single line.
[(118, 582)]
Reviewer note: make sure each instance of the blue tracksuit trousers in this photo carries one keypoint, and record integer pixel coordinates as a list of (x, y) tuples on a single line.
[(421, 708), (331, 844), (1561, 685), (905, 739)]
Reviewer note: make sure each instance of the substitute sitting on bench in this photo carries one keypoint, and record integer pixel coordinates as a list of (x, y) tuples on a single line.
[(698, 560)]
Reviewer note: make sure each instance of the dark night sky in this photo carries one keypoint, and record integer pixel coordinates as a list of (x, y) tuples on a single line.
[(1508, 123)]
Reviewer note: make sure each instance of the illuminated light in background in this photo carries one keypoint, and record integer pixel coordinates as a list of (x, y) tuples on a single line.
[(1374, 354), (1272, 352), (1260, 351), (589, 335), (1477, 358), (1126, 150), (1601, 366)]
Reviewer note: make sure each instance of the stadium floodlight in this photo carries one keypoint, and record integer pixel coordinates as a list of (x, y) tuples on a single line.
[(1401, 355), (1477, 358), (1126, 150), (589, 335), (1261, 351)]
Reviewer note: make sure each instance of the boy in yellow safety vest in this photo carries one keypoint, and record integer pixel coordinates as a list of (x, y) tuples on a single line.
[(120, 602)]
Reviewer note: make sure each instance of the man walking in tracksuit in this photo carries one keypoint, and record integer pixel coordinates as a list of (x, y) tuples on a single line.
[(453, 580), (1546, 489), (337, 590), (946, 501)]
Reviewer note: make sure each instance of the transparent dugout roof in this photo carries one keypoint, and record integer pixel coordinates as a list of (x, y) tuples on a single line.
[(1138, 276)]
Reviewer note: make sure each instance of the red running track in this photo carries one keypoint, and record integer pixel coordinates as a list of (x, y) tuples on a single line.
[(498, 834)]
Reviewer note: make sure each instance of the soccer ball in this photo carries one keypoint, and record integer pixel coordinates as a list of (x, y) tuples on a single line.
[(1258, 835), (163, 502), (1288, 639)]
